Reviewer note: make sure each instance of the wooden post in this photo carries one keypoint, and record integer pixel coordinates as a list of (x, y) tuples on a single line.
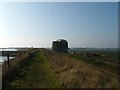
[(24, 52), (20, 54), (8, 60)]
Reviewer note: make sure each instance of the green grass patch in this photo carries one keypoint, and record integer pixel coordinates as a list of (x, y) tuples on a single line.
[(36, 74)]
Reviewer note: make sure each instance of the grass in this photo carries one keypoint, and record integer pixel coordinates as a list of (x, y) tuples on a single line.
[(8, 73), (74, 73), (104, 60), (47, 69), (36, 74)]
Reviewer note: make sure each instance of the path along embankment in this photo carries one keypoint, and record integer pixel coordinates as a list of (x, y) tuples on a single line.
[(47, 67)]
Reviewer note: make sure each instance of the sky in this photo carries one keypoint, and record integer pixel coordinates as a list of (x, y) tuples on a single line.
[(59, 0), (37, 24)]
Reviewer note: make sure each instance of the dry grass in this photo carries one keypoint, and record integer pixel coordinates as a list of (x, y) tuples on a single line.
[(8, 73), (69, 72), (79, 74)]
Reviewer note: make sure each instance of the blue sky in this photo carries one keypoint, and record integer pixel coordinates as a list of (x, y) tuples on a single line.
[(38, 24), (59, 0)]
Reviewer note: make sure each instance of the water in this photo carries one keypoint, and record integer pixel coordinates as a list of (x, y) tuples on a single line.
[(8, 49), (4, 58)]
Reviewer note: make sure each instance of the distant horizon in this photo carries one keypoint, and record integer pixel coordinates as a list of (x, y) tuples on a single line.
[(51, 47)]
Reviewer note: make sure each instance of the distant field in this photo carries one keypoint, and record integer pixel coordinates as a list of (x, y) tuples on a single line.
[(104, 59)]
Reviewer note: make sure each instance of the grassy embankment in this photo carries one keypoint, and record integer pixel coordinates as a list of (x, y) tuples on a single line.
[(15, 65), (74, 73), (50, 69), (36, 74)]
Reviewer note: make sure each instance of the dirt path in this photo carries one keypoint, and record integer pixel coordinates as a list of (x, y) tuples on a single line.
[(36, 74)]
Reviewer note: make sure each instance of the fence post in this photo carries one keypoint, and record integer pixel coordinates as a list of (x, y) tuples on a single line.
[(8, 60), (20, 54)]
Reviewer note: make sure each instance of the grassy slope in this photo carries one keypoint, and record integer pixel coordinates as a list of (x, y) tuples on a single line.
[(108, 62), (45, 68), (73, 73), (36, 74)]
